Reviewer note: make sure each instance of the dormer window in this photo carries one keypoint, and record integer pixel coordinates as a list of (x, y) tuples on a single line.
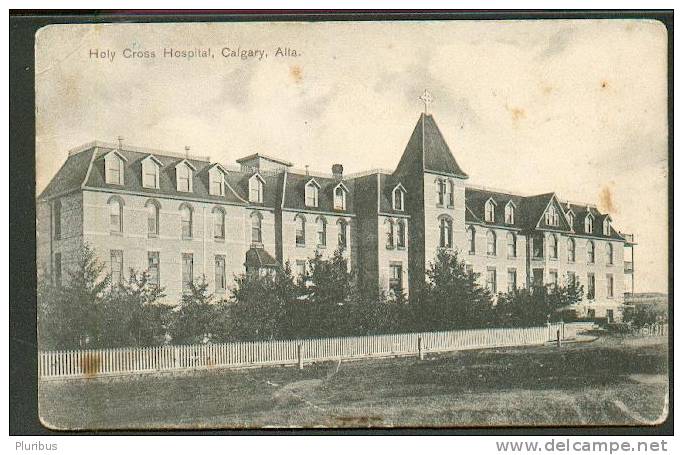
[(216, 181), (588, 224), (256, 189), (113, 164), (312, 188), (183, 172), (606, 228), (340, 197), (490, 211), (551, 216), (398, 198), (510, 213), (570, 218), (150, 172)]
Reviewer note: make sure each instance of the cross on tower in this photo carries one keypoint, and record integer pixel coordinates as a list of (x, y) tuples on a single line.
[(427, 99)]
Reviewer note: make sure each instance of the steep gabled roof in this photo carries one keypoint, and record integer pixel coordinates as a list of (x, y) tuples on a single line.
[(70, 176), (427, 151)]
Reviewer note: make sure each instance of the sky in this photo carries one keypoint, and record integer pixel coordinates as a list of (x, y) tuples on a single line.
[(575, 107)]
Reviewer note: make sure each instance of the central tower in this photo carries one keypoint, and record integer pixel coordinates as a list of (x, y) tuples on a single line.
[(435, 199)]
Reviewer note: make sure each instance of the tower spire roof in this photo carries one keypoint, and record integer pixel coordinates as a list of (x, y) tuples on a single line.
[(427, 151)]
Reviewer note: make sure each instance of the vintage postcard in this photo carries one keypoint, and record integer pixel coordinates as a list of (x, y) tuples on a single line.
[(352, 224)]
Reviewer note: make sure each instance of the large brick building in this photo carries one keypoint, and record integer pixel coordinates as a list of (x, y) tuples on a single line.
[(184, 217)]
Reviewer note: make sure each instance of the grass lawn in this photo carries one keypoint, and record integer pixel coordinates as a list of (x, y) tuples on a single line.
[(611, 381)]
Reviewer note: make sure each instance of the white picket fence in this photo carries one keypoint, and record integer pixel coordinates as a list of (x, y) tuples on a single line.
[(96, 362)]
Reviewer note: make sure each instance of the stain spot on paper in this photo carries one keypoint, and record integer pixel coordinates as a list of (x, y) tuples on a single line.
[(90, 365), (296, 73), (604, 84), (517, 113), (606, 200)]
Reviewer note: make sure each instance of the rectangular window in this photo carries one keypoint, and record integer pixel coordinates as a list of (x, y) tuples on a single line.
[(116, 267), (610, 286), (552, 277), (311, 195), (300, 231), (571, 279), (188, 272), (469, 268), (301, 268), (153, 267), (57, 220), (590, 292), (114, 170), (341, 239), (150, 174), (216, 186), (491, 280), (512, 279), (220, 273), (538, 277), (58, 269), (396, 279), (537, 242)]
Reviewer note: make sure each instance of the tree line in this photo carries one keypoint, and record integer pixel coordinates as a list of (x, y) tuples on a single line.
[(88, 312)]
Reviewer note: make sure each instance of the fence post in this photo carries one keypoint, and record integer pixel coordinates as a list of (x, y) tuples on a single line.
[(559, 339), (419, 348), (299, 356), (549, 332)]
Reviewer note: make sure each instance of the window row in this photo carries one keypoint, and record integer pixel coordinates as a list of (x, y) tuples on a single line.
[(320, 231), (312, 195), (492, 281), (154, 270), (490, 212), (491, 242), (396, 233)]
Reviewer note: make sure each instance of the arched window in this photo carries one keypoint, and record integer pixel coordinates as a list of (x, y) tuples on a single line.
[(571, 250), (342, 240), (512, 244), (491, 243), (588, 224), (606, 229), (152, 217), (322, 231), (610, 253), (399, 198), (312, 194), (186, 221), (570, 219), (256, 220), (339, 198), (490, 212), (218, 223), (471, 235), (551, 216), (451, 191), (300, 222), (389, 232), (446, 232), (401, 234), (115, 214), (57, 216), (590, 249), (440, 191), (510, 213), (553, 246)]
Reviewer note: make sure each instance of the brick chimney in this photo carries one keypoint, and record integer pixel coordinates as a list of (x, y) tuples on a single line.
[(337, 171)]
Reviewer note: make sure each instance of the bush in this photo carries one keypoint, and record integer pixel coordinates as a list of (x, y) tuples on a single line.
[(530, 307), (640, 314)]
